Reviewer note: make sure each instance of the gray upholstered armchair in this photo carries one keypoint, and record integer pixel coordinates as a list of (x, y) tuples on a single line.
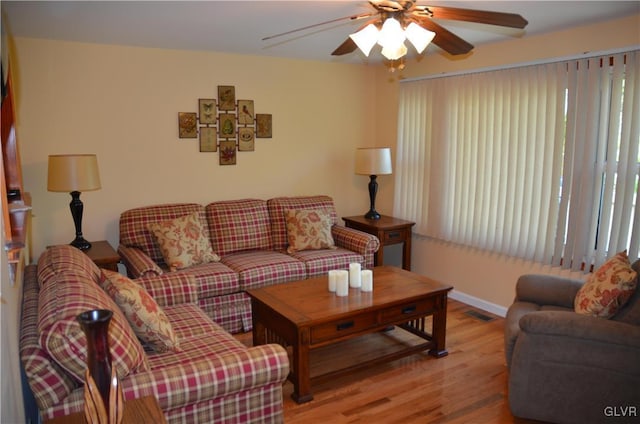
[(566, 367)]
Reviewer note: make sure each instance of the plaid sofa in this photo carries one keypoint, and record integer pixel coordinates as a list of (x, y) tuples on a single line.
[(214, 378), (250, 236)]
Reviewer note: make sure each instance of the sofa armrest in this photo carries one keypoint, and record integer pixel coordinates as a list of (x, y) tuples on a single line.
[(137, 262), (357, 241), (171, 288), (547, 290), (211, 377)]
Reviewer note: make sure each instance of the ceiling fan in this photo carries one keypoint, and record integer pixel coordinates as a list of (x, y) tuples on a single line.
[(404, 19)]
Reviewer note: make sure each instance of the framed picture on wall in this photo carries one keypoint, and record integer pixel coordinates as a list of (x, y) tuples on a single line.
[(245, 112), (227, 125), (208, 139), (207, 111), (226, 97), (227, 152), (187, 125), (246, 139), (263, 125)]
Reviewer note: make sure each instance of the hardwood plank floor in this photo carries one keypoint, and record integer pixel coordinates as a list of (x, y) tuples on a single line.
[(467, 386)]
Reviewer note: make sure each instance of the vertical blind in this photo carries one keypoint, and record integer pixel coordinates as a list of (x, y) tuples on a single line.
[(538, 162)]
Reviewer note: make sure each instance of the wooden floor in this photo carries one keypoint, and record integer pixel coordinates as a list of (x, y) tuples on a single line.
[(467, 386)]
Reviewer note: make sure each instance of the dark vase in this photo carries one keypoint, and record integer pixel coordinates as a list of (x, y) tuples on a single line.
[(95, 324)]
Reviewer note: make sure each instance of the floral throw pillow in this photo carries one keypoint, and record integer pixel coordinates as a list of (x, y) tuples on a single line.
[(308, 230), (183, 242), (608, 288), (148, 320)]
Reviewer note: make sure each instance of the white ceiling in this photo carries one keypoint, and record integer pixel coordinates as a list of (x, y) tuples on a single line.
[(239, 26)]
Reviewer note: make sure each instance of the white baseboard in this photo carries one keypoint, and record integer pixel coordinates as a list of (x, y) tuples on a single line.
[(478, 303)]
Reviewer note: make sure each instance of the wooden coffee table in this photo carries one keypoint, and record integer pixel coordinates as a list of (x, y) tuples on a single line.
[(305, 315)]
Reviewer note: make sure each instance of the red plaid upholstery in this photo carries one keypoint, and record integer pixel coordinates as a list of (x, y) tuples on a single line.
[(134, 222), (238, 225), (260, 268), (213, 279), (49, 383), (214, 379), (251, 237), (171, 289), (319, 262), (64, 259), (138, 264), (357, 241), (231, 311), (65, 296), (278, 205)]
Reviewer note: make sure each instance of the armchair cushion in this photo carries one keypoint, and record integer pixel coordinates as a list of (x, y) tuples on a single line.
[(608, 288), (147, 319), (183, 242), (308, 230)]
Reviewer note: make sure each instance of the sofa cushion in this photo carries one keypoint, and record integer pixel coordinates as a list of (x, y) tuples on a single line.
[(65, 259), (319, 262), (148, 320), (134, 224), (183, 242), (259, 268), (60, 301), (608, 288), (308, 230), (213, 279), (278, 205), (200, 336), (238, 225)]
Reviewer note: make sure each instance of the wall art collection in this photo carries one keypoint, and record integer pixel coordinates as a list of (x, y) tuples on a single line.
[(225, 125)]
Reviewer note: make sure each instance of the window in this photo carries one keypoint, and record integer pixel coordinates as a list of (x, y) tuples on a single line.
[(539, 162)]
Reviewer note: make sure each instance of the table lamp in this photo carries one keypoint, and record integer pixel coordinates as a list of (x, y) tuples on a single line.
[(74, 174), (373, 161)]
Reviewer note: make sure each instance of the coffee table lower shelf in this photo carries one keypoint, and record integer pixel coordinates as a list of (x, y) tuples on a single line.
[(382, 359)]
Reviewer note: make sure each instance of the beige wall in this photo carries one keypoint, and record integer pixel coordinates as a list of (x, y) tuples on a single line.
[(122, 104), (488, 278)]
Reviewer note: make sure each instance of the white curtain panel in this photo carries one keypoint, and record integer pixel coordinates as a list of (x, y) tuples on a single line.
[(533, 162)]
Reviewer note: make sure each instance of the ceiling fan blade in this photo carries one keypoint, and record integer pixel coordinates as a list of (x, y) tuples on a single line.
[(345, 48), (352, 17), (444, 38), (512, 20)]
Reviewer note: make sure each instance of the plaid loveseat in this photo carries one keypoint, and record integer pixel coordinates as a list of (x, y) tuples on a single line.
[(213, 378), (250, 236)]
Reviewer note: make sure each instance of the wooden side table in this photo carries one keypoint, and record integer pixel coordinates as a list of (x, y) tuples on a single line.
[(103, 255), (389, 230), (144, 410)]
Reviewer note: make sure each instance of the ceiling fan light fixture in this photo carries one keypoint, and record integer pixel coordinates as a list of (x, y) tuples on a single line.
[(366, 38), (394, 53), (391, 35), (418, 36)]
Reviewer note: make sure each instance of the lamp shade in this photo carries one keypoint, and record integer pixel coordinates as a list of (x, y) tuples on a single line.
[(67, 173), (366, 38), (373, 161)]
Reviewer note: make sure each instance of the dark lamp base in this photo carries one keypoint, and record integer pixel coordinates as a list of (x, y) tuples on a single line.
[(372, 215), (81, 243)]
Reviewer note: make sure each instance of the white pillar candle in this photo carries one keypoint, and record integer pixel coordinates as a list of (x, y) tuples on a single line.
[(342, 283), (354, 275), (367, 280), (333, 279)]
